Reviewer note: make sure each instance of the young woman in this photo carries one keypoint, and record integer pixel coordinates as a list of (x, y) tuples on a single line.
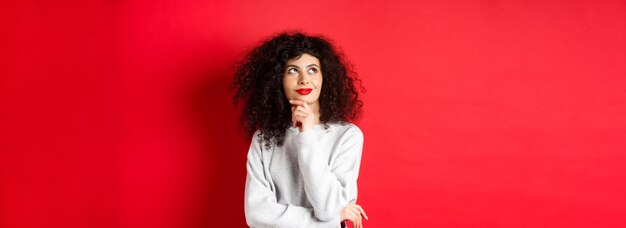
[(299, 98)]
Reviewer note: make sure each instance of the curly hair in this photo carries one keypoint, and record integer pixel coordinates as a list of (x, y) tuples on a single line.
[(258, 84)]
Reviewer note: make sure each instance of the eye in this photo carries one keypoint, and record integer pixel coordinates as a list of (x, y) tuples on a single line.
[(292, 71), (312, 70)]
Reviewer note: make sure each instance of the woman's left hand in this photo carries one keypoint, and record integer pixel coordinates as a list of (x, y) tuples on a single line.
[(301, 115)]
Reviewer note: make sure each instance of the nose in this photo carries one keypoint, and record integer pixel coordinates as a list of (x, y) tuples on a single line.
[(303, 79)]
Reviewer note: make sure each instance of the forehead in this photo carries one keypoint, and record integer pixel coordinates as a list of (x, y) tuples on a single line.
[(303, 60)]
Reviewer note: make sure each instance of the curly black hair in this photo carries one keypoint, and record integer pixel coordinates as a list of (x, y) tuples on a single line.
[(258, 84)]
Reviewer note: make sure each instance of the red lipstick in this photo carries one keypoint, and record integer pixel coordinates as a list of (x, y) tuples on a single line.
[(304, 91)]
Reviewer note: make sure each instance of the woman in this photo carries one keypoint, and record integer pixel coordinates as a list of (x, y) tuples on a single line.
[(299, 97)]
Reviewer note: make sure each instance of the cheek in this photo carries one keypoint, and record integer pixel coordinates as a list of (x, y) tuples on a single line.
[(288, 88), (289, 81), (285, 83)]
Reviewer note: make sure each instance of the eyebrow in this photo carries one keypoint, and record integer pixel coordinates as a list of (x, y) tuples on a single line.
[(313, 64)]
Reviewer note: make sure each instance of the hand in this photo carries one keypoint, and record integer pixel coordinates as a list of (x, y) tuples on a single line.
[(301, 115), (353, 213)]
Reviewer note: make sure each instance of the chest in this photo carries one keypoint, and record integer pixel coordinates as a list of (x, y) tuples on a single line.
[(284, 164)]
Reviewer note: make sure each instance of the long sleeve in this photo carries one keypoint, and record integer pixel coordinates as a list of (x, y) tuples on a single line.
[(329, 189), (261, 206)]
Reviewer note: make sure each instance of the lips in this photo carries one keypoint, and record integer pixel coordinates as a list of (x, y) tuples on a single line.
[(304, 91)]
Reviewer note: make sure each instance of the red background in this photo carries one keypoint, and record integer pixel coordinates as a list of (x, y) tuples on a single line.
[(477, 113)]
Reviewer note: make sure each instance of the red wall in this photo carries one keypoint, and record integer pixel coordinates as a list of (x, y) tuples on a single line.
[(477, 113)]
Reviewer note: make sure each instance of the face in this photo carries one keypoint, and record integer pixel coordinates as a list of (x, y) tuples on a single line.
[(302, 79)]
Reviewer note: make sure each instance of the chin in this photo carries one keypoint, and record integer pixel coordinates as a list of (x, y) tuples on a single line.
[(310, 98)]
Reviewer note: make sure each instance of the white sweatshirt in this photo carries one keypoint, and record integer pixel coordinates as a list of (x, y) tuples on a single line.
[(306, 181)]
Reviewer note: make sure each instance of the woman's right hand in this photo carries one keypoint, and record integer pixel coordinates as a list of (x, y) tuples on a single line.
[(354, 213)]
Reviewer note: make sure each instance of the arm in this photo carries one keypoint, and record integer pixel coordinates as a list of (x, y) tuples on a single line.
[(329, 189), (261, 206)]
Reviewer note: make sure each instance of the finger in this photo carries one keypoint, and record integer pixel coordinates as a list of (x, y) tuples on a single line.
[(295, 120), (299, 117), (304, 112), (346, 216), (362, 211), (301, 103), (354, 219), (306, 106), (356, 211), (352, 216), (360, 219), (297, 102), (295, 112), (301, 112), (300, 108)]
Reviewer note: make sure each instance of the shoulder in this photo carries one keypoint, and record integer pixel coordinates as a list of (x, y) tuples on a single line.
[(348, 131), (257, 141), (256, 136)]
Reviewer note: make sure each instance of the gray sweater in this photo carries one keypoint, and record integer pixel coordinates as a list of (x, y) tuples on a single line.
[(306, 181)]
